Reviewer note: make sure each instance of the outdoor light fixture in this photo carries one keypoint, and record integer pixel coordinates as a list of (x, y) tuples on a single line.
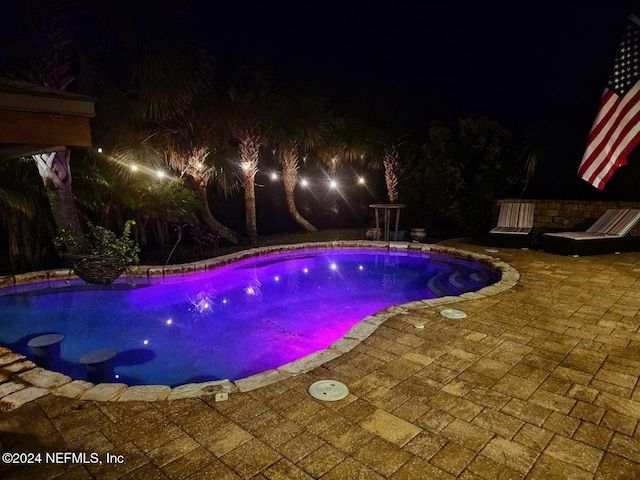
[(361, 180), (99, 149), (333, 184)]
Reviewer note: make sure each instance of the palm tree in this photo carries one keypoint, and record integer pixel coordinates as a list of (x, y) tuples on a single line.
[(390, 162), (148, 114), (243, 105), (48, 64), (250, 143), (290, 167), (301, 123), (534, 148), (188, 150)]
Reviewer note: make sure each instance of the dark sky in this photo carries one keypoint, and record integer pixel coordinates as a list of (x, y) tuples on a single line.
[(512, 60)]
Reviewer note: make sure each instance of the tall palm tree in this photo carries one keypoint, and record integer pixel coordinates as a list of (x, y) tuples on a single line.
[(48, 63), (147, 115), (250, 143), (187, 151), (243, 105), (390, 162), (302, 122), (290, 167)]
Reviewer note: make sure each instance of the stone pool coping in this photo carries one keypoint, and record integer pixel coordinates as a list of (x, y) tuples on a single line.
[(22, 381)]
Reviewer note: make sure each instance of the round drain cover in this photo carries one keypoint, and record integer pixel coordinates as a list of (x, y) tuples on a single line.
[(452, 313), (328, 390)]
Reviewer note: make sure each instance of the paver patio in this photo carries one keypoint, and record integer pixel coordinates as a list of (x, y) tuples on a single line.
[(538, 382)]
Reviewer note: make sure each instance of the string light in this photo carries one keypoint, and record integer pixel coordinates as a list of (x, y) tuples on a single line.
[(274, 176), (333, 184), (304, 182), (134, 167), (99, 149)]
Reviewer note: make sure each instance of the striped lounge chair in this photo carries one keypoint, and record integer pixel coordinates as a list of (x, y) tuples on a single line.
[(515, 226), (607, 235)]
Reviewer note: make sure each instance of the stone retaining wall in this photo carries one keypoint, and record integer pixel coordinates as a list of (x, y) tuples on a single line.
[(556, 215)]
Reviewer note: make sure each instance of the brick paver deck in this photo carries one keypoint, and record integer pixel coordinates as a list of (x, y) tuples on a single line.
[(538, 382)]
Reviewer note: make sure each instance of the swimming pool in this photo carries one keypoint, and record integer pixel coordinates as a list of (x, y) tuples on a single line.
[(233, 321)]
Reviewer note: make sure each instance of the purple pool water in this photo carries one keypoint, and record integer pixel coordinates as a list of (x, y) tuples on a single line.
[(231, 322)]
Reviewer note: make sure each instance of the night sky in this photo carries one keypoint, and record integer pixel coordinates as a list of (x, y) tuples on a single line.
[(514, 61)]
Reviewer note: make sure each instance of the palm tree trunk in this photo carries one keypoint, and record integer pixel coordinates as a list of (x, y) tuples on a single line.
[(290, 174), (390, 167), (199, 187), (249, 155), (55, 170), (250, 205)]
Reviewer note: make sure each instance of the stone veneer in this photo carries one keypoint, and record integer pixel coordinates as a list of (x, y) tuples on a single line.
[(557, 215), (21, 381)]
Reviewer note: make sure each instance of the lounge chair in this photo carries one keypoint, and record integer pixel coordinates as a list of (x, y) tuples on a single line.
[(515, 226), (607, 235)]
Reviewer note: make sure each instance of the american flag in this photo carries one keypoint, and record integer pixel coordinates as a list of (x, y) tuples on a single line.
[(616, 129)]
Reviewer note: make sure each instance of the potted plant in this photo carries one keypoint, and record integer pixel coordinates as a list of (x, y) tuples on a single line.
[(105, 255)]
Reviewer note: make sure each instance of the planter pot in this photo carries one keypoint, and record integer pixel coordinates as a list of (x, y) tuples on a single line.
[(373, 233), (418, 234), (97, 269)]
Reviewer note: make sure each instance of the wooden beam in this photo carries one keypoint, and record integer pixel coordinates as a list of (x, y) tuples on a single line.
[(47, 104), (44, 129)]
